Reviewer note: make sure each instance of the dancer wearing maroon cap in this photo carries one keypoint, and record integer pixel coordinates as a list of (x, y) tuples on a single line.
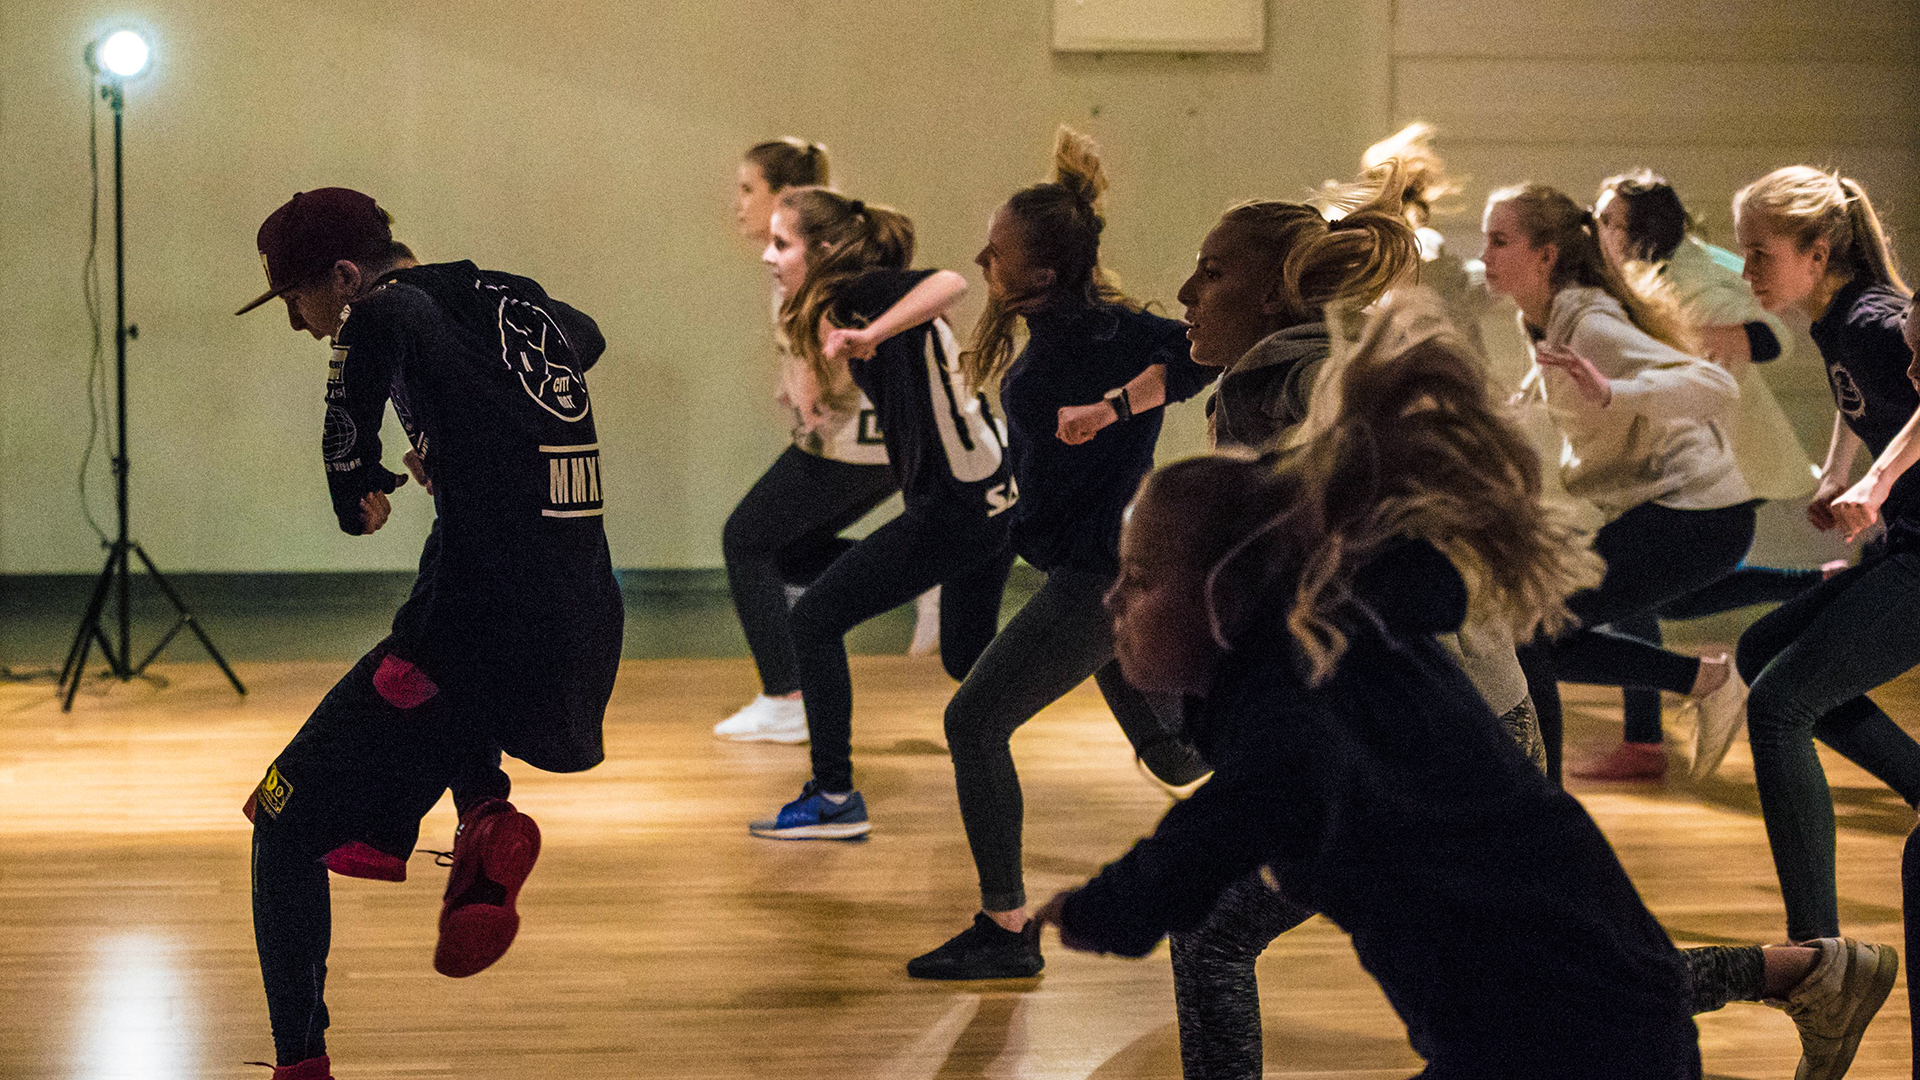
[(511, 638)]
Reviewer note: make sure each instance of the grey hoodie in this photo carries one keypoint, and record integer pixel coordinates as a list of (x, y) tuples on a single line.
[(1265, 392), (1660, 438)]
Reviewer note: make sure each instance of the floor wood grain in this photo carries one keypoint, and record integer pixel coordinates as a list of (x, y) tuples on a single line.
[(661, 940)]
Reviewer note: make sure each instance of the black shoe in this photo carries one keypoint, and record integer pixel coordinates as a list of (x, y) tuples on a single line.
[(983, 951)]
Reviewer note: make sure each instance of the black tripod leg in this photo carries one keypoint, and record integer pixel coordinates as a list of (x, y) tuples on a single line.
[(187, 618), (88, 623)]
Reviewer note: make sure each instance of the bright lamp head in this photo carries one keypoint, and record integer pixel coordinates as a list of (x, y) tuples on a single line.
[(122, 55)]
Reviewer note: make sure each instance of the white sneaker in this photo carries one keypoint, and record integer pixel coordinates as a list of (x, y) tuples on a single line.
[(766, 719), (1722, 713), (926, 623), (1834, 1004)]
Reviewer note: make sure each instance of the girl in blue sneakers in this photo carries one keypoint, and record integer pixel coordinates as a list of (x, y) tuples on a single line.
[(852, 302)]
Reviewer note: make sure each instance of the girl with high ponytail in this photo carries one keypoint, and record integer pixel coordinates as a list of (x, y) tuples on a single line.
[(854, 310), (786, 529), (1297, 599), (1257, 303), (1042, 266), (1813, 244), (1643, 425)]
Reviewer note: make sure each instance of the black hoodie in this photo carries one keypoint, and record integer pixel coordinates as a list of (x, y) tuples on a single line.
[(516, 614), (1482, 897)]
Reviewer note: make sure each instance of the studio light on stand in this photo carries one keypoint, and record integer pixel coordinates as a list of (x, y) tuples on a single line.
[(114, 59)]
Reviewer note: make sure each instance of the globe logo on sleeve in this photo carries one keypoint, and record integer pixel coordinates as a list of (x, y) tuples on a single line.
[(537, 350)]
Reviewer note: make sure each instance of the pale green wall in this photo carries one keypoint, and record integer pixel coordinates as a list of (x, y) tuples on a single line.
[(592, 147)]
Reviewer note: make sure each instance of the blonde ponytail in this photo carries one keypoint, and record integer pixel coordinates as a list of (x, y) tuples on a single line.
[(1059, 222), (1807, 204), (1347, 263)]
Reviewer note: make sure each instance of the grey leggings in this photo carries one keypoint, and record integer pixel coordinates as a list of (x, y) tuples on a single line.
[(1056, 641), (1217, 996)]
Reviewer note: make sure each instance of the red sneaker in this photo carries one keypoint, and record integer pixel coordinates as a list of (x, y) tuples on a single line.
[(493, 852), (1628, 761), (314, 1068)]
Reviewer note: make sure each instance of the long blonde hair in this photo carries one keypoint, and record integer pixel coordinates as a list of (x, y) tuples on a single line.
[(1425, 180), (1348, 262), (1549, 216), (1417, 448), (1059, 222), (843, 238), (1807, 204)]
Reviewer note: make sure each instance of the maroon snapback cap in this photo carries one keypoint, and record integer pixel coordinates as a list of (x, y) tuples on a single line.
[(302, 240)]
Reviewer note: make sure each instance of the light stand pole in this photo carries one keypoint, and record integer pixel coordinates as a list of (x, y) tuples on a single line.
[(116, 576)]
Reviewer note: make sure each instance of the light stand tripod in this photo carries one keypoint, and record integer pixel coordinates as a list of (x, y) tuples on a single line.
[(116, 576)]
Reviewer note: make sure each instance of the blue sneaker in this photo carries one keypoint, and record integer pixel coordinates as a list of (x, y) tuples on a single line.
[(813, 816)]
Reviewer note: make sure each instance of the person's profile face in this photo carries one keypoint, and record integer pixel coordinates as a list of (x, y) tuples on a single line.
[(316, 306), (1610, 214), (752, 203), (1161, 635), (786, 253), (1781, 275), (1515, 267), (1229, 297), (1004, 260)]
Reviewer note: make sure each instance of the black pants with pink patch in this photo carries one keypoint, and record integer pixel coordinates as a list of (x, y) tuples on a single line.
[(360, 771)]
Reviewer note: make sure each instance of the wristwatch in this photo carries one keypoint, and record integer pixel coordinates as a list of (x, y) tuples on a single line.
[(1122, 405)]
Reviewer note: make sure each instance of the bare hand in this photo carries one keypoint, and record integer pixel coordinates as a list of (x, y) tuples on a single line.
[(1052, 913), (1586, 378), (1079, 423), (417, 465), (844, 343), (374, 511), (1820, 507), (1857, 510)]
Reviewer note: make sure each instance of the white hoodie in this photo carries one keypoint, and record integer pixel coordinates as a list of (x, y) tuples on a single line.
[(1660, 439)]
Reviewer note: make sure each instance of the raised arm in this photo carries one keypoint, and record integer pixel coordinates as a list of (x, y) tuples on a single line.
[(928, 300), (1615, 365)]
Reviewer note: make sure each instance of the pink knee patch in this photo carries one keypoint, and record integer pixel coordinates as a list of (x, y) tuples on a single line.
[(402, 685), (362, 860)]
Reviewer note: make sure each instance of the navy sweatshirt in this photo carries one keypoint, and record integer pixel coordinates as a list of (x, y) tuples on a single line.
[(1481, 896), (946, 447), (1071, 497), (516, 615), (1867, 358)]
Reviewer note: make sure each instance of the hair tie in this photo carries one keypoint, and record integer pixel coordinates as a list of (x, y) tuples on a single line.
[(1587, 221), (856, 206)]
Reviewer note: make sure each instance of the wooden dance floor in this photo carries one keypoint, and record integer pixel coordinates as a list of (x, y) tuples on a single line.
[(660, 940)]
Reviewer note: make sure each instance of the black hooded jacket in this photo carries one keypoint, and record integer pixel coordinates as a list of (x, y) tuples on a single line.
[(516, 614), (1483, 898)]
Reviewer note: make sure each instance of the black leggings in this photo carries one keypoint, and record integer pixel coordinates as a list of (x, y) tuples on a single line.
[(966, 555), (786, 530), (1654, 555), (1746, 586)]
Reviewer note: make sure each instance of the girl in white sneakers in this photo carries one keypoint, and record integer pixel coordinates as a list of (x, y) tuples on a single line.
[(786, 529)]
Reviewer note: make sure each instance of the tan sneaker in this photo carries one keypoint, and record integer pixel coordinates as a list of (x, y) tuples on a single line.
[(1722, 713), (1833, 1005)]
